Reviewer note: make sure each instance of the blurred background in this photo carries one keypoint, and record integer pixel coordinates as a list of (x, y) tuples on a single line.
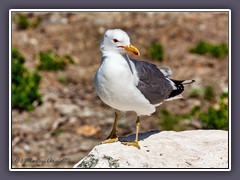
[(56, 113)]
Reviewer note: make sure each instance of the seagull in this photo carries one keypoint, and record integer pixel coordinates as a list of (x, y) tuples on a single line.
[(129, 85)]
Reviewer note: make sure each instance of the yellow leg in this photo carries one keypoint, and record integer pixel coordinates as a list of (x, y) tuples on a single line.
[(134, 143), (113, 135)]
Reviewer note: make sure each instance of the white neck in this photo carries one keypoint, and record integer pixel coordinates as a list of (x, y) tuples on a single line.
[(117, 58), (111, 54)]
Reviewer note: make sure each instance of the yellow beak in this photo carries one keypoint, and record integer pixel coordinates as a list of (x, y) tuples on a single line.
[(132, 49)]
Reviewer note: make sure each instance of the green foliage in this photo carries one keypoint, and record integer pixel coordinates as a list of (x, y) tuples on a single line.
[(216, 118), (25, 85), (220, 51), (195, 110), (169, 121), (69, 58), (202, 48), (58, 132), (52, 61), (217, 51), (209, 93), (35, 22), (195, 92), (62, 79), (24, 22), (156, 51)]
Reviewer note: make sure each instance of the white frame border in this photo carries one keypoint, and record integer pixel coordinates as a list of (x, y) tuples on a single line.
[(119, 10)]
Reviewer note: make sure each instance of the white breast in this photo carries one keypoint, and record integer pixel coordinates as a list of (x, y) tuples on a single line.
[(115, 84)]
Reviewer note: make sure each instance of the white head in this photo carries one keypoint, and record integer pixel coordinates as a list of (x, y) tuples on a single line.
[(116, 40)]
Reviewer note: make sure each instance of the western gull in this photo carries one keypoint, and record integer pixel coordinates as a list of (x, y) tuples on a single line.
[(129, 85)]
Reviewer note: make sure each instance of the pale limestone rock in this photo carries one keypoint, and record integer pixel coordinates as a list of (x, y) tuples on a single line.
[(166, 149)]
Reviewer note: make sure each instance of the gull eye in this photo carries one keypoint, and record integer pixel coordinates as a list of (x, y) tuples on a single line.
[(115, 40)]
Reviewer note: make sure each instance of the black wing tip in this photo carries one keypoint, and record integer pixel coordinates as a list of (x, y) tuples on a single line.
[(180, 87)]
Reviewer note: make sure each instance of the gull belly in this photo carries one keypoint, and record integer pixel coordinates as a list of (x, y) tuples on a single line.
[(115, 84)]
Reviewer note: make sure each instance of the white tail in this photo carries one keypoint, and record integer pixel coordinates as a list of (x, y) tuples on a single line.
[(188, 82)]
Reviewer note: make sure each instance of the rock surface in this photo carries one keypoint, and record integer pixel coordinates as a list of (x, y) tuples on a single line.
[(166, 149)]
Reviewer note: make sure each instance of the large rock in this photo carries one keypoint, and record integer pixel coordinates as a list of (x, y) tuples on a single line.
[(166, 149)]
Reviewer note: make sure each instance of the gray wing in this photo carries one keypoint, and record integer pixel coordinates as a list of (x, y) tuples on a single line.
[(167, 72), (152, 82)]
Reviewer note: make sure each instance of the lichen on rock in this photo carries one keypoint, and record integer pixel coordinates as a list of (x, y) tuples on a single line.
[(88, 162)]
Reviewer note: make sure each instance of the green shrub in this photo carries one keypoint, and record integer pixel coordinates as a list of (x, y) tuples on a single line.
[(169, 121), (196, 109), (52, 61), (69, 58), (21, 21), (24, 22), (209, 93), (217, 51), (25, 85), (195, 92), (62, 79), (202, 48), (216, 118), (35, 22), (156, 51)]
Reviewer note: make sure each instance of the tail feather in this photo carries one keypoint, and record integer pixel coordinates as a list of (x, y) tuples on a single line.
[(179, 88), (188, 82)]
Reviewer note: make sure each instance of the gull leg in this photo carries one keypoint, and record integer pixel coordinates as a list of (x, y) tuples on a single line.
[(134, 143), (113, 136)]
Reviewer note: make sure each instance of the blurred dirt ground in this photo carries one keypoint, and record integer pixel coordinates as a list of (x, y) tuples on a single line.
[(72, 119)]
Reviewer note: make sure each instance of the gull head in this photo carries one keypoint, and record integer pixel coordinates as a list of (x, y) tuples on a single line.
[(117, 40)]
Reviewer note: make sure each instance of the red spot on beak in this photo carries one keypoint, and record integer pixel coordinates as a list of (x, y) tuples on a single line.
[(135, 53)]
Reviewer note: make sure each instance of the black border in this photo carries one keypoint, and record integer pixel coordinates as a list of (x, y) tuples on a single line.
[(133, 169), (163, 4)]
